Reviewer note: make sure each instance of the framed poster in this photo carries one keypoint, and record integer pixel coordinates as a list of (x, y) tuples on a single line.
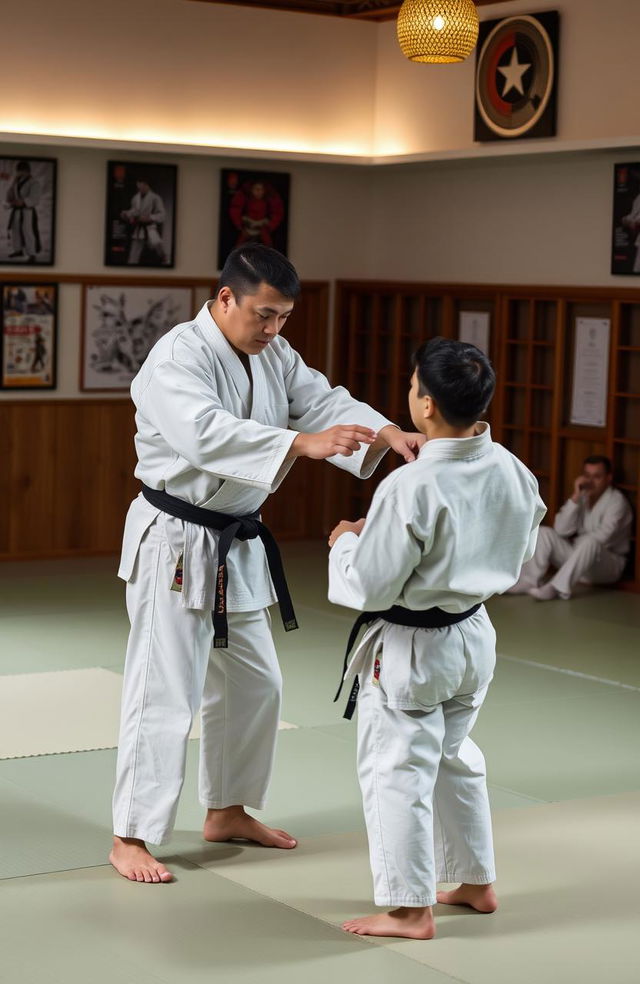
[(254, 208), (473, 327), (120, 326), (517, 77), (625, 244), (29, 336), (141, 214), (590, 372), (28, 200)]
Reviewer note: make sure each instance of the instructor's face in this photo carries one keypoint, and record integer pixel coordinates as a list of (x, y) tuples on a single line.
[(255, 320)]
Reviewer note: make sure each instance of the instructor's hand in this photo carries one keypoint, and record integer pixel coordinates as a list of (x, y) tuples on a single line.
[(345, 527), (342, 439), (404, 443)]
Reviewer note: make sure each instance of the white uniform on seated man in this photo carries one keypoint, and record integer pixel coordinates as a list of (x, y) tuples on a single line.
[(589, 541)]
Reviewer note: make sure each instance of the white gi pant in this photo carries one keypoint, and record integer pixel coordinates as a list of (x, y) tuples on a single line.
[(171, 670), (581, 559), (422, 778)]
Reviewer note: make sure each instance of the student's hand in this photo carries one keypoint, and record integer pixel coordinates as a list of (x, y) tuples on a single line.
[(342, 439), (404, 443), (345, 527)]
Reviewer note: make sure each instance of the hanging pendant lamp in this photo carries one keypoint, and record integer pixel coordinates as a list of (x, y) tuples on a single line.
[(437, 31)]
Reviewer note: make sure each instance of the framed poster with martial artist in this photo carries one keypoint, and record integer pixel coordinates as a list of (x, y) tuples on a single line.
[(254, 208), (517, 77), (625, 246), (28, 201), (29, 336), (120, 325), (141, 214)]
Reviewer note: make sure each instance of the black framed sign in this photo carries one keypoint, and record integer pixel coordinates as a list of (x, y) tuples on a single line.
[(625, 246), (517, 77), (29, 336), (254, 208), (28, 197), (141, 214)]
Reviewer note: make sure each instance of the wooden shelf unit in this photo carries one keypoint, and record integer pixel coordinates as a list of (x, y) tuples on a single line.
[(379, 325)]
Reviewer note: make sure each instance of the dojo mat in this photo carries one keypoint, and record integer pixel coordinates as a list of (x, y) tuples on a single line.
[(64, 711), (560, 731)]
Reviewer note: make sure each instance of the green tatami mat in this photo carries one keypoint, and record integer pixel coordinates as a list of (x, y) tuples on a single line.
[(554, 750), (93, 926), (568, 901), (595, 633), (63, 641)]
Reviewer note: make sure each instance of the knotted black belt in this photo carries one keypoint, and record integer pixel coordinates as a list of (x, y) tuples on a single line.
[(231, 528), (429, 618)]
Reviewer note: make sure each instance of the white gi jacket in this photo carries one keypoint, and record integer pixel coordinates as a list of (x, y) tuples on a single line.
[(207, 435), (148, 206), (609, 522), (447, 530)]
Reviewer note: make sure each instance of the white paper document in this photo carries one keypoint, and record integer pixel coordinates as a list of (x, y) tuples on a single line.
[(590, 372), (473, 327)]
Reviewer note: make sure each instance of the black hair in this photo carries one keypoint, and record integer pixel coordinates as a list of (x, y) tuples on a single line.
[(23, 166), (599, 459), (253, 264), (458, 376)]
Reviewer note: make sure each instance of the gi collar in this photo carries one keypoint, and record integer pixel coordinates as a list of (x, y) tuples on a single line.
[(459, 447)]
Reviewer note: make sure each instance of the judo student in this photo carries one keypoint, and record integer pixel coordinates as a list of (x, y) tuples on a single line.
[(589, 541), (443, 534), (23, 197), (224, 406)]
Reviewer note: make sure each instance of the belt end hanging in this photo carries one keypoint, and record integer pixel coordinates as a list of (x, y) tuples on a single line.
[(290, 625), (351, 703), (221, 643)]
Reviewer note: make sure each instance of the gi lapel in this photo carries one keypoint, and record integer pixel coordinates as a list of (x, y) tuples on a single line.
[(234, 370)]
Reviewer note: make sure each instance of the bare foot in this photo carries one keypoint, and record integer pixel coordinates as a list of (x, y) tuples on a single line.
[(233, 823), (131, 859), (412, 924), (482, 898)]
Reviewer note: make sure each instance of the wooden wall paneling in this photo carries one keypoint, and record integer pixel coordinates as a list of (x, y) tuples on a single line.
[(78, 489), (115, 429), (6, 502), (31, 481)]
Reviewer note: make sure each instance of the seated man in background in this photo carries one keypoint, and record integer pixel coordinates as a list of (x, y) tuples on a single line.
[(589, 540)]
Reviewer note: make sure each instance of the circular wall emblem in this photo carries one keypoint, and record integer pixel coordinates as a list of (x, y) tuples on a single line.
[(515, 75)]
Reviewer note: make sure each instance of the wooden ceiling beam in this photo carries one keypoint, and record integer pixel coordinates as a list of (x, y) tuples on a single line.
[(379, 10)]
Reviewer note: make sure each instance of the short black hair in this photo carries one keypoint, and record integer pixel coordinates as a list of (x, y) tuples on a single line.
[(458, 376), (599, 459), (253, 264)]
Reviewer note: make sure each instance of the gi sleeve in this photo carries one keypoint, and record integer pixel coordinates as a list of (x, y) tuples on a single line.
[(183, 406), (315, 406), (539, 512), (368, 572), (613, 522), (568, 519)]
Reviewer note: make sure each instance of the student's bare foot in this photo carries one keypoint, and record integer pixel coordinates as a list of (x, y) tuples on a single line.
[(131, 859), (482, 898), (233, 823), (412, 924)]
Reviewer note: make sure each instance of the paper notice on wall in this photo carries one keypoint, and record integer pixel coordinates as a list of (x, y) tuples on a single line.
[(590, 372), (473, 327)]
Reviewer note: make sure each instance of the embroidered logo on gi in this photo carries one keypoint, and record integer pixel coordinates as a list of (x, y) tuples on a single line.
[(177, 576), (377, 666)]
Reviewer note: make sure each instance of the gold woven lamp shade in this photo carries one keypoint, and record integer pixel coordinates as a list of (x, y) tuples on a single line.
[(437, 31)]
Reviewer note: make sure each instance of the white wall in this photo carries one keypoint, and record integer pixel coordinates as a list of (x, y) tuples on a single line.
[(423, 109), (175, 71), (543, 219)]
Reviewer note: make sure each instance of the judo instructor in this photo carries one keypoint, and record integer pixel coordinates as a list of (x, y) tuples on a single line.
[(224, 406)]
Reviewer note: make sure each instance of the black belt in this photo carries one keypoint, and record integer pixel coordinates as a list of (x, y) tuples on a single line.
[(231, 528), (429, 618)]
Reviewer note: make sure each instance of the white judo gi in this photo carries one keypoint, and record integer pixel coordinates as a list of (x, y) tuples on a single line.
[(448, 530), (210, 436), (23, 197), (149, 207), (586, 544)]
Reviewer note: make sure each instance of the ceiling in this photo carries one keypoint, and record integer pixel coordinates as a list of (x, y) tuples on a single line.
[(375, 10)]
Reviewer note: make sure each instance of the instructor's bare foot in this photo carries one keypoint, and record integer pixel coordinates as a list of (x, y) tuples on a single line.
[(412, 924), (232, 823), (482, 898), (131, 859)]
